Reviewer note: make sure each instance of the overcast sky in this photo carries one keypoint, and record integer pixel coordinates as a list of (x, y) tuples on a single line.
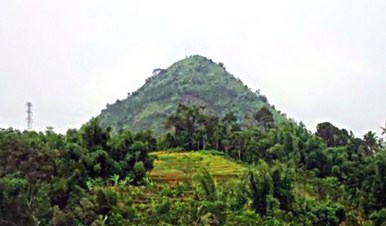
[(315, 60)]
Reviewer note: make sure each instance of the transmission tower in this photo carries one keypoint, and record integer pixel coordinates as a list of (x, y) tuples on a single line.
[(29, 115)]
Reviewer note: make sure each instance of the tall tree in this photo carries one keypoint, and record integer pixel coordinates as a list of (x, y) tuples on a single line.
[(94, 137), (331, 134), (371, 142), (260, 186), (186, 121), (264, 118)]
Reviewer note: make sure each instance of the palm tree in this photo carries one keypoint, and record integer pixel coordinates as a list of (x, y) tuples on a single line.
[(383, 129), (383, 133), (371, 143)]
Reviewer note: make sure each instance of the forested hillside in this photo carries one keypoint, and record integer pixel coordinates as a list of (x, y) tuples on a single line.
[(193, 80), (264, 174)]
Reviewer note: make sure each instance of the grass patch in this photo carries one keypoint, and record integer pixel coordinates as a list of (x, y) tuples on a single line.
[(174, 166)]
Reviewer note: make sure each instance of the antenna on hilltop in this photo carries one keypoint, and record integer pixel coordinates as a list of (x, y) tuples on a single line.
[(29, 115), (187, 50)]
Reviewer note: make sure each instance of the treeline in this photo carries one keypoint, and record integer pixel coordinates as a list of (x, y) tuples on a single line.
[(335, 157), (48, 178)]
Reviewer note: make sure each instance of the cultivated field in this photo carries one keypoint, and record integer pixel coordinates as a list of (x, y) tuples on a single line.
[(174, 166)]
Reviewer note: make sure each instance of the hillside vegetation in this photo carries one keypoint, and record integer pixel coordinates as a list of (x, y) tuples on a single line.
[(194, 80), (233, 161), (266, 174)]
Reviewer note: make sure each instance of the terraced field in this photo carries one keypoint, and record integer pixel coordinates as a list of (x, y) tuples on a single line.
[(171, 166)]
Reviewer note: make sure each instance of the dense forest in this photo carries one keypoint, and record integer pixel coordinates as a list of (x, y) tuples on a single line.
[(97, 176)]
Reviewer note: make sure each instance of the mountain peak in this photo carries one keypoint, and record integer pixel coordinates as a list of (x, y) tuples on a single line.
[(196, 58), (193, 80)]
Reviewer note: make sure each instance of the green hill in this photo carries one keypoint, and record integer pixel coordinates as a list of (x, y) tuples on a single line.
[(193, 80)]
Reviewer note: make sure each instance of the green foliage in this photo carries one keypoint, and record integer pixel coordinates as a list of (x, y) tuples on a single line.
[(344, 166), (379, 217), (207, 185), (270, 189), (46, 178), (106, 200), (139, 171), (326, 213)]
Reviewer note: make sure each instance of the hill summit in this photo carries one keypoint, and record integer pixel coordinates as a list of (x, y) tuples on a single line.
[(195, 80)]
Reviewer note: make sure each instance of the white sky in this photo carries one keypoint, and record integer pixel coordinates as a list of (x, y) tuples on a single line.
[(315, 60)]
